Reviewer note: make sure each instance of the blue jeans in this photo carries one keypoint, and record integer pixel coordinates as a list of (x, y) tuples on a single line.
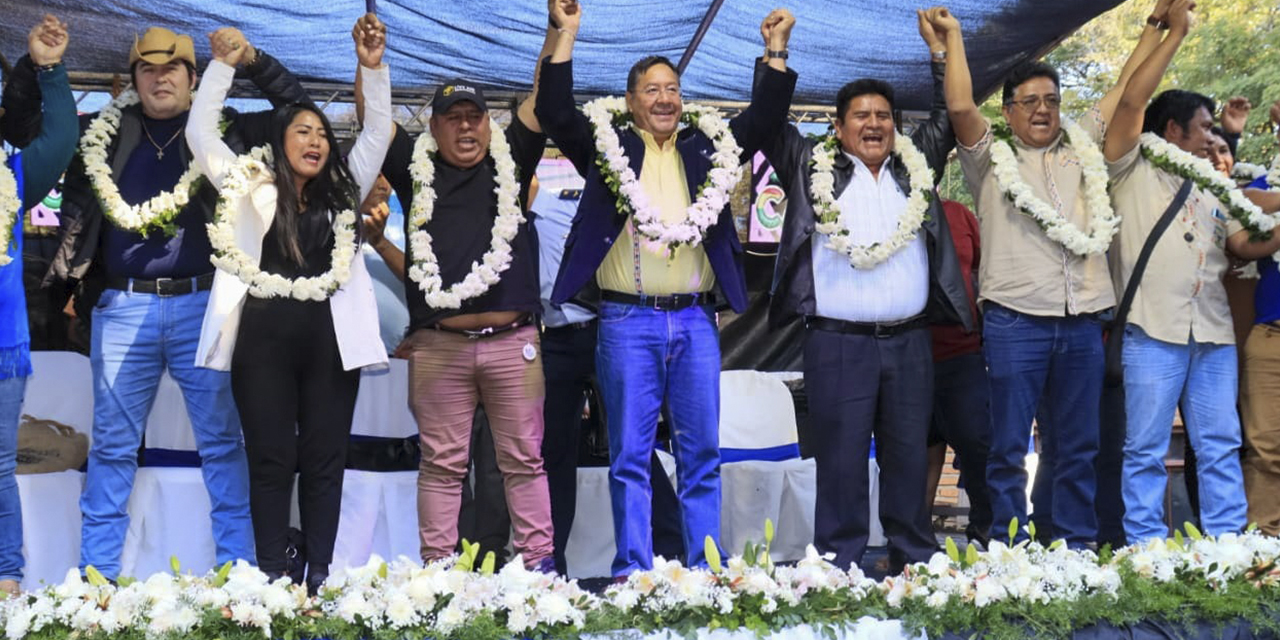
[(644, 356), (11, 392), (1157, 375), (136, 336), (1058, 360)]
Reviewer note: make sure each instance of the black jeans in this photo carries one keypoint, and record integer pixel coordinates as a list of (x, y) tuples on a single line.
[(296, 404), (483, 517), (962, 419)]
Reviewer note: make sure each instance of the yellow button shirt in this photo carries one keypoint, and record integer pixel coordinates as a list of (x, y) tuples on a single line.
[(662, 177)]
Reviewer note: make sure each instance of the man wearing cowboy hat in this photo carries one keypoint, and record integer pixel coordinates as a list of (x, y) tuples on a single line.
[(147, 288)]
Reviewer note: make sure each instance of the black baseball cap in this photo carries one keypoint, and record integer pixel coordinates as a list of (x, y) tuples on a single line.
[(456, 90)]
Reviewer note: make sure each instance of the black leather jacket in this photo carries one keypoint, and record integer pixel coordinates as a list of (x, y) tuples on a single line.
[(790, 154), (81, 214)]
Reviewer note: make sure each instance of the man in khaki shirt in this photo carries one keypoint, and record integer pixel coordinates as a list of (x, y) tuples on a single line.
[(1041, 301), (1179, 345)]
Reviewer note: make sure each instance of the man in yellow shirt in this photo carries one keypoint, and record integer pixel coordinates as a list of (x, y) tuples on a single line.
[(657, 269)]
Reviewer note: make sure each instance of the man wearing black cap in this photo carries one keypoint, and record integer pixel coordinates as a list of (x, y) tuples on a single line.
[(472, 288), (145, 273)]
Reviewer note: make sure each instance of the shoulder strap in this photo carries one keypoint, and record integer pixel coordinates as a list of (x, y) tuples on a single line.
[(1158, 230)]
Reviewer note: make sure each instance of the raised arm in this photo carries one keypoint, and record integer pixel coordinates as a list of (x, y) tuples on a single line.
[(1147, 42), (759, 125), (1235, 114), (1126, 123), (44, 160), (966, 121), (784, 147), (365, 159), (555, 22), (273, 79), (553, 104), (776, 32), (210, 152), (22, 96), (934, 136)]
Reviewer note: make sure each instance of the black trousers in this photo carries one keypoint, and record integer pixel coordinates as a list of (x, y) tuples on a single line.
[(296, 404), (962, 419), (483, 517), (859, 386), (569, 365)]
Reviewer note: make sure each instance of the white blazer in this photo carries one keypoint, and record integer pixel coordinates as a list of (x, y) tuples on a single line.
[(355, 312)]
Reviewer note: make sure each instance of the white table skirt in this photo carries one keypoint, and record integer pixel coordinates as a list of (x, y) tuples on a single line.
[(169, 516)]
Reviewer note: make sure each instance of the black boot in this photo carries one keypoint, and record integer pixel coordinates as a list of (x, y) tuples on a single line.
[(315, 578)]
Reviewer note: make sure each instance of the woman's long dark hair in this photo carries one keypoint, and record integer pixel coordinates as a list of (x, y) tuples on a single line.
[(334, 189)]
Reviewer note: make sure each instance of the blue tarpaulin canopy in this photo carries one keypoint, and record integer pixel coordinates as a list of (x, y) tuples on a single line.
[(494, 43)]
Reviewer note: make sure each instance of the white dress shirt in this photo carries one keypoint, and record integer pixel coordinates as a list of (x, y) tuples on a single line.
[(894, 290)]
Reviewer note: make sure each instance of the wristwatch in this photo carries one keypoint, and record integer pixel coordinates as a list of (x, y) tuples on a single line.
[(938, 56), (781, 54), (1157, 22)]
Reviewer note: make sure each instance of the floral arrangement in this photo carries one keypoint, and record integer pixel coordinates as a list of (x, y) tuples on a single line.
[(243, 174), (161, 210), (486, 272), (1273, 176), (10, 207), (822, 188), (1009, 591), (605, 114), (1103, 222)]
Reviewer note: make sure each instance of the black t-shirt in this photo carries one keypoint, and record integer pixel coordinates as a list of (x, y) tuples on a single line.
[(127, 254), (315, 240), (461, 227)]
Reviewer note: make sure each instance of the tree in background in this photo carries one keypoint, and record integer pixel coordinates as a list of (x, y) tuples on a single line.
[(1234, 50)]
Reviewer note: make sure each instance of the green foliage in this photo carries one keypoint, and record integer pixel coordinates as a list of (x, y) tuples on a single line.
[(1232, 50)]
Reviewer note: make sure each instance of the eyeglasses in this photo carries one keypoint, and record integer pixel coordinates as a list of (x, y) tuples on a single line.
[(1031, 103)]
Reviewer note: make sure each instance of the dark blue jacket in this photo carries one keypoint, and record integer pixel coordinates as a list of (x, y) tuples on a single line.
[(598, 223)]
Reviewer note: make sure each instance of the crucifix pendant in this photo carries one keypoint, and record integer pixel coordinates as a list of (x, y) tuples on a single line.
[(159, 154)]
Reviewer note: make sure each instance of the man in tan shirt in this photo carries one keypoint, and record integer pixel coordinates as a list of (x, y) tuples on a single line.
[(1179, 344), (1041, 293)]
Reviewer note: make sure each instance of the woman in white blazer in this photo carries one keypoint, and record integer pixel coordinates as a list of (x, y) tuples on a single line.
[(292, 312)]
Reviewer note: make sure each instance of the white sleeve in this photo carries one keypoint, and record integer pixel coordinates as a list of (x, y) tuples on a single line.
[(211, 154), (365, 159)]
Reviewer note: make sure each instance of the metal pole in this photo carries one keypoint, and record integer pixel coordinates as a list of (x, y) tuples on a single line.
[(697, 35)]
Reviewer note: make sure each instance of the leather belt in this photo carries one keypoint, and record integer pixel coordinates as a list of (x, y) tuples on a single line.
[(163, 287), (485, 332), (877, 329), (571, 327), (673, 302)]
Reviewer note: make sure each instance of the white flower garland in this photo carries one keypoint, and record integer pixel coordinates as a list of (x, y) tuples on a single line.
[(157, 213), (1169, 158), (1273, 176), (10, 207), (1247, 171), (713, 195), (425, 269), (262, 284), (1103, 222), (822, 188)]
